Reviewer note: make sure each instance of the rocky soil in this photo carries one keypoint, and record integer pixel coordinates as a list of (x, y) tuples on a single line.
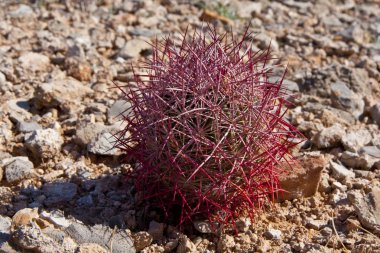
[(61, 183)]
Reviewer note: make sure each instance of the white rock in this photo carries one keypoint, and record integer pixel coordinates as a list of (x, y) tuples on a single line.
[(337, 197), (44, 143), (103, 144), (17, 168), (329, 137), (354, 140), (340, 172), (133, 48), (339, 186), (34, 61), (316, 224), (245, 9), (273, 234), (368, 157), (367, 208), (56, 217), (60, 93)]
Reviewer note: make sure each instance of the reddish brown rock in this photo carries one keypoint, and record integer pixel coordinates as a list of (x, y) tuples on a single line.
[(303, 181)]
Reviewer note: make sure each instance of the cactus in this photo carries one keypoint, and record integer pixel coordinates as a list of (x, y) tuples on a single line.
[(206, 128)]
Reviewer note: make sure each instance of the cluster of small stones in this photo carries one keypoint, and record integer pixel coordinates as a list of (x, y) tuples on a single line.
[(60, 179)]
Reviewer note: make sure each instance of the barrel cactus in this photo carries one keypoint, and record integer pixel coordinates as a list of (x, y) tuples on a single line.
[(205, 128)]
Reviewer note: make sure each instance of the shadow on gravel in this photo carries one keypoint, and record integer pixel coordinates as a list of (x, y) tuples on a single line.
[(108, 200)]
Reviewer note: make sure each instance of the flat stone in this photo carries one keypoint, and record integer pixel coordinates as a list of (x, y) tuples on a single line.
[(17, 168), (245, 9), (346, 99), (44, 143), (355, 33), (85, 133), (102, 235), (115, 112), (338, 198), (371, 151), (303, 180), (33, 239), (339, 186), (133, 48), (56, 217), (340, 172), (22, 11), (60, 93), (103, 144), (367, 207), (34, 61), (367, 158), (316, 224), (329, 137), (26, 127), (59, 192), (273, 234), (18, 110), (354, 140)]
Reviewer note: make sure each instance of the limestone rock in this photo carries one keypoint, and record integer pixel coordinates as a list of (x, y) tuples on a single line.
[(354, 140), (44, 143), (273, 234), (32, 238), (367, 158), (103, 144), (346, 99), (17, 168), (367, 208), (60, 93), (102, 235), (34, 61), (329, 137), (133, 48), (340, 172)]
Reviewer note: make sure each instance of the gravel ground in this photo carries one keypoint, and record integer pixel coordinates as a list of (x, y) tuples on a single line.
[(61, 183)]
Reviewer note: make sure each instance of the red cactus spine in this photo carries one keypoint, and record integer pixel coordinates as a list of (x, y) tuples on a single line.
[(206, 128)]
